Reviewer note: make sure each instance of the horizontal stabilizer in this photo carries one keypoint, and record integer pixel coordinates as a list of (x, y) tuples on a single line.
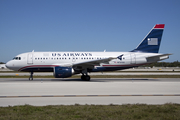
[(157, 57)]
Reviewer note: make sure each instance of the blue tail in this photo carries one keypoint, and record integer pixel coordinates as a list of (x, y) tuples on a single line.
[(152, 41)]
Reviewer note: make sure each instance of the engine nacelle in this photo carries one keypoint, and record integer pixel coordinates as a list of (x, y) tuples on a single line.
[(63, 72)]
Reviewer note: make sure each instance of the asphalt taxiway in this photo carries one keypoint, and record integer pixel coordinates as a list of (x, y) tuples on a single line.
[(41, 92)]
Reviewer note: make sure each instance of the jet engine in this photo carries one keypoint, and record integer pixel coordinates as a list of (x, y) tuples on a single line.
[(63, 72)]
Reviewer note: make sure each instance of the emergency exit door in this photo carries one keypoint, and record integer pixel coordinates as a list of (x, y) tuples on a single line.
[(133, 58)]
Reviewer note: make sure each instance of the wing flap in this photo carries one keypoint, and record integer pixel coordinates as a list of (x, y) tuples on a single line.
[(92, 63)]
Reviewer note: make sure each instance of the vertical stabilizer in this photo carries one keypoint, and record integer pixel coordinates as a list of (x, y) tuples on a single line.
[(152, 41)]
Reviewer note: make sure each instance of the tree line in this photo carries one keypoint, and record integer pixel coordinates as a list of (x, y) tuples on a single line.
[(164, 64)]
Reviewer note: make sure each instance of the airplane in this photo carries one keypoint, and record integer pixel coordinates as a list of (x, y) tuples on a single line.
[(66, 64)]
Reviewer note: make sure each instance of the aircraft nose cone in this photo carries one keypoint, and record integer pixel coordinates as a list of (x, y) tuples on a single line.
[(9, 65)]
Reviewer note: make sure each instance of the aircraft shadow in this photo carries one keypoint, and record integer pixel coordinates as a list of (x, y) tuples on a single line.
[(106, 80), (79, 80)]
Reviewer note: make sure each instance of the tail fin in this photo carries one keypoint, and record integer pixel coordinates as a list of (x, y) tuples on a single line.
[(152, 41)]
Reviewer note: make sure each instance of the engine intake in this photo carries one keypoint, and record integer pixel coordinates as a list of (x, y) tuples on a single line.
[(63, 72)]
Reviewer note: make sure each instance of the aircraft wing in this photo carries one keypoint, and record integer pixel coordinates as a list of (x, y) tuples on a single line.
[(92, 63), (157, 57)]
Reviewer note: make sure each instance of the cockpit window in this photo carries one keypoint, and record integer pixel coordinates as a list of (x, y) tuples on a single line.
[(14, 58), (17, 58)]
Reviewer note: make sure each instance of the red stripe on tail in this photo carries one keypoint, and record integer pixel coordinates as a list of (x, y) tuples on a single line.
[(159, 26)]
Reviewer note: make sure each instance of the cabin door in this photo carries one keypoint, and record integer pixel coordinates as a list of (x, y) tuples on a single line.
[(30, 58)]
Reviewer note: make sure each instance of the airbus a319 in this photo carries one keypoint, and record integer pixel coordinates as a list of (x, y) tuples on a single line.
[(66, 64)]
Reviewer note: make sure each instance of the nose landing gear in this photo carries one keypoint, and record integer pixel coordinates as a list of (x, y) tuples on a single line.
[(31, 76)]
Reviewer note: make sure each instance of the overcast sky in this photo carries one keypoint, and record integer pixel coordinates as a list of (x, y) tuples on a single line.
[(86, 25)]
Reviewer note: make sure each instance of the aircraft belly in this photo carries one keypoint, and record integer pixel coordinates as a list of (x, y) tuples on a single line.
[(37, 68), (110, 68)]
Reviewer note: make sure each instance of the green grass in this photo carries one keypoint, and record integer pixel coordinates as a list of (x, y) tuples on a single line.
[(92, 112)]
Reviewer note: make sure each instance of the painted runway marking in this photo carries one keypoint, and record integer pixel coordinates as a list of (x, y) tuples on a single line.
[(25, 96)]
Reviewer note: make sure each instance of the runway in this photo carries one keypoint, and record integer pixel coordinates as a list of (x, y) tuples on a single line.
[(41, 92)]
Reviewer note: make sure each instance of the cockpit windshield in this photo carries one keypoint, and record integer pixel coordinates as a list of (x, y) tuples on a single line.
[(17, 58)]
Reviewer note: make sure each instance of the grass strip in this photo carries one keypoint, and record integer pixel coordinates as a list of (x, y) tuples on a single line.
[(92, 112)]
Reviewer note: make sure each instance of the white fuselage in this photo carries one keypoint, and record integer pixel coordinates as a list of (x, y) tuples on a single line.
[(41, 60)]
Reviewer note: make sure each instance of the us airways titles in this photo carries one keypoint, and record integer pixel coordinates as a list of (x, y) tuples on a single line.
[(71, 54)]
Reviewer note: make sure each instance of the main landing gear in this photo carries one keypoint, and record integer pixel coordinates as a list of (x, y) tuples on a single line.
[(85, 77), (31, 76)]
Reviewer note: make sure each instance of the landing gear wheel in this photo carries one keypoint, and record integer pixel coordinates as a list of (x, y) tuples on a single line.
[(85, 77), (30, 78)]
